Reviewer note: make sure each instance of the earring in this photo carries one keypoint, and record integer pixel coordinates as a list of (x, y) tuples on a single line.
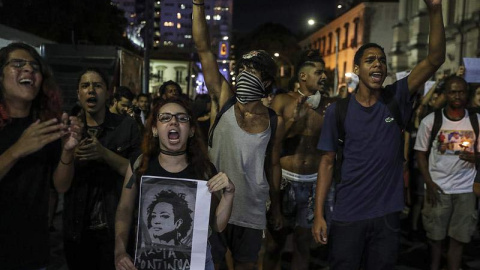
[(155, 134), (191, 135)]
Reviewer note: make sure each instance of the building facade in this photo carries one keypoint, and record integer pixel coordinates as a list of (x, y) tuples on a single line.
[(339, 40), (410, 34)]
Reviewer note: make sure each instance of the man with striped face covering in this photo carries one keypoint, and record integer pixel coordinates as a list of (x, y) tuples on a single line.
[(244, 143)]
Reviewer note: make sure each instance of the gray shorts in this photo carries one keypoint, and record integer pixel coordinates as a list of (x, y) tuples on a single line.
[(454, 215)]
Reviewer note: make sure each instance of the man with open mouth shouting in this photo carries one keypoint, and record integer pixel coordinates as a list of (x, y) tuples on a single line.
[(369, 183)]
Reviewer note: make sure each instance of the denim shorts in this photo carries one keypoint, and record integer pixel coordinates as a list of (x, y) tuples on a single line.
[(297, 203)]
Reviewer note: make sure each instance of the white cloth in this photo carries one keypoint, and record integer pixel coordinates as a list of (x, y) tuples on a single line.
[(290, 176), (447, 170), (142, 116)]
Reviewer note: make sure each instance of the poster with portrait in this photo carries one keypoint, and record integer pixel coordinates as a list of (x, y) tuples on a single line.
[(454, 142), (172, 224)]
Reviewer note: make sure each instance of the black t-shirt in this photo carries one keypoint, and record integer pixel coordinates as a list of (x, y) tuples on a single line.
[(24, 202)]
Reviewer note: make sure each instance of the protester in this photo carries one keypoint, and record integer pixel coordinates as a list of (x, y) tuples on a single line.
[(122, 101), (239, 143), (369, 191), (101, 160), (302, 112), (37, 145), (172, 148), (170, 89), (143, 103), (449, 208)]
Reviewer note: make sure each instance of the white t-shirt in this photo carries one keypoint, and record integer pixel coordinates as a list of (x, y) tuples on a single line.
[(447, 170)]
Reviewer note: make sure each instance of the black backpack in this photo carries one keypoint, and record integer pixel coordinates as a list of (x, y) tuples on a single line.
[(340, 115), (230, 102)]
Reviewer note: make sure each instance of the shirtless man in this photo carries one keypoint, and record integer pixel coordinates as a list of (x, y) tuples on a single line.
[(239, 144), (302, 112)]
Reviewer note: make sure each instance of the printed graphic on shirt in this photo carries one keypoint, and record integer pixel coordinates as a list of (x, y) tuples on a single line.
[(453, 142)]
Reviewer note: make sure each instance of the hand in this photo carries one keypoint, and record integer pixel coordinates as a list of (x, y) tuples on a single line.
[(301, 108), (276, 218), (36, 136), (90, 149), (432, 193), (124, 262), (433, 3), (72, 138), (319, 230), (219, 182), (467, 156)]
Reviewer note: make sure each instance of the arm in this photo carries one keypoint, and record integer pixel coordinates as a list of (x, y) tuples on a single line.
[(222, 209), (217, 86), (432, 188), (324, 181), (436, 48), (123, 221), (63, 174), (273, 172), (94, 150), (34, 138)]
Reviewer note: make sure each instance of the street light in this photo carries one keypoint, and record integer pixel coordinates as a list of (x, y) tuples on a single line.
[(311, 22)]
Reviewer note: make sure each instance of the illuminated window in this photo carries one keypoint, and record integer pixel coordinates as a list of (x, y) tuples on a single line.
[(168, 24), (207, 17), (182, 6), (188, 36), (179, 25), (217, 17), (179, 16)]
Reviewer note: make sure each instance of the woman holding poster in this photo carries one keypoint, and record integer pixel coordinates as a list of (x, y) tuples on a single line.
[(171, 148)]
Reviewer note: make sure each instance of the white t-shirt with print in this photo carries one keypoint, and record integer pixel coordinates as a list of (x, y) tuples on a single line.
[(447, 170)]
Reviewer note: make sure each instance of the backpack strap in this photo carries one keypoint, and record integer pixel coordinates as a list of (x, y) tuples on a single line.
[(273, 128), (437, 124), (340, 115), (133, 178), (474, 122), (230, 102)]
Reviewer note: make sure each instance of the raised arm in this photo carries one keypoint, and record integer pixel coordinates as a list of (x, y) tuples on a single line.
[(217, 86), (436, 48)]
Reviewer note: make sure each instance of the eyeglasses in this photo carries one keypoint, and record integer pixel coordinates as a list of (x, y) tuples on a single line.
[(167, 117), (19, 63)]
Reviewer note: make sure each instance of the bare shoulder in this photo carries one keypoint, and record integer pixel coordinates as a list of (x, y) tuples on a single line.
[(281, 101)]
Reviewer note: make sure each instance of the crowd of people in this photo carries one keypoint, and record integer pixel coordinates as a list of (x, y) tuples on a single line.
[(337, 170)]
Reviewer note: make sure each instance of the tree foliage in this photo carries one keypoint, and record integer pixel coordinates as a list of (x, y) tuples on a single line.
[(66, 21)]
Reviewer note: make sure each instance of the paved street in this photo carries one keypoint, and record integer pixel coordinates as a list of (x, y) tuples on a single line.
[(413, 255)]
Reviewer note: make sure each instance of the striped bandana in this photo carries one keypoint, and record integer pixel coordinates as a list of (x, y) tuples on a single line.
[(249, 88)]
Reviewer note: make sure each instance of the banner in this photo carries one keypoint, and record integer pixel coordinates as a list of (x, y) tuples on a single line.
[(173, 221)]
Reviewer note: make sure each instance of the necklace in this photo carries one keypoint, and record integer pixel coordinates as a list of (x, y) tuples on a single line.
[(171, 153)]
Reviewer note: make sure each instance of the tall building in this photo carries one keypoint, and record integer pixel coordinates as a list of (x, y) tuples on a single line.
[(410, 33), (170, 37), (339, 40)]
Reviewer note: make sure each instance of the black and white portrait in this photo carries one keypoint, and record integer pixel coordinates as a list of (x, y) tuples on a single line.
[(166, 223)]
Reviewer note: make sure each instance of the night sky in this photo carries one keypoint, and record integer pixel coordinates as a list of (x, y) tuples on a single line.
[(248, 14)]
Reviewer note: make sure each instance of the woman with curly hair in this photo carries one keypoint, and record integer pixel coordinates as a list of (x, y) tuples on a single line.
[(172, 148), (36, 146)]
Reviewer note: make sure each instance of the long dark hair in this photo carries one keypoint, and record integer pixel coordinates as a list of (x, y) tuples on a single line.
[(196, 150), (48, 103)]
